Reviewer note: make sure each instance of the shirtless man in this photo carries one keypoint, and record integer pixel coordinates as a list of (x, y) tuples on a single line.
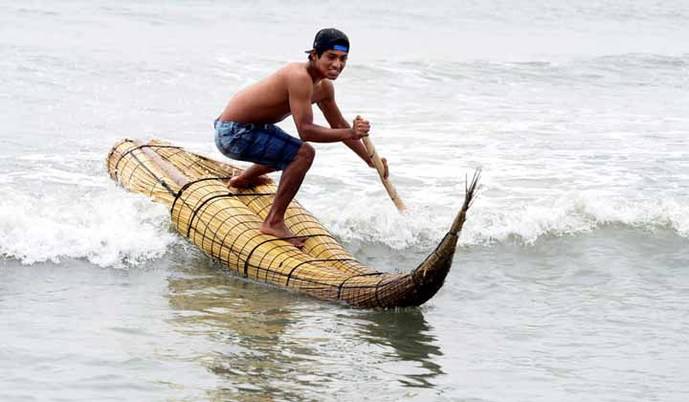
[(246, 128)]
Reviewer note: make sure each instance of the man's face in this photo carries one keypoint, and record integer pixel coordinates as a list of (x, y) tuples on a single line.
[(331, 63)]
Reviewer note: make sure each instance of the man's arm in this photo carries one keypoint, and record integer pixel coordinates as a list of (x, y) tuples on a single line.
[(334, 117), (300, 89)]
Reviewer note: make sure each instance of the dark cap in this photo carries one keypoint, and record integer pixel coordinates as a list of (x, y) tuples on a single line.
[(330, 39)]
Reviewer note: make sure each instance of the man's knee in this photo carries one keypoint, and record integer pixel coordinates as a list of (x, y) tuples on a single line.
[(306, 153)]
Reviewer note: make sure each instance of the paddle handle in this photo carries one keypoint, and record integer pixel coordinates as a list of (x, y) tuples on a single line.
[(378, 163)]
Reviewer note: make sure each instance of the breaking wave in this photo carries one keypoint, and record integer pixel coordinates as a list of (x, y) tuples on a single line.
[(110, 228), (489, 222), (113, 228)]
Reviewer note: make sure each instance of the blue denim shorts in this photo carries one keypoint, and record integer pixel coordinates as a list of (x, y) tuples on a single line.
[(265, 144)]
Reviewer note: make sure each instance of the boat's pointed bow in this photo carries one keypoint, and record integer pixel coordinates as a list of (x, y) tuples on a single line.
[(424, 282)]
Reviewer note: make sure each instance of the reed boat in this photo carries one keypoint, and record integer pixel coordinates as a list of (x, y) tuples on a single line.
[(224, 223)]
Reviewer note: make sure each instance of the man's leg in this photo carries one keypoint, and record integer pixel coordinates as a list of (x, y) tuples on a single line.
[(253, 176), (291, 180)]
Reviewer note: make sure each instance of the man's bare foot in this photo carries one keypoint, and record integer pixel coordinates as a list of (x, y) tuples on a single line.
[(281, 231), (242, 182)]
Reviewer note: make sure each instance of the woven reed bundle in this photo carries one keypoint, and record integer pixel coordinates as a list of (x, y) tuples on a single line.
[(224, 223)]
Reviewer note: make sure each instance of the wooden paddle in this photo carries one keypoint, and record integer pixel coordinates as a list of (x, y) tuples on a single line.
[(380, 167)]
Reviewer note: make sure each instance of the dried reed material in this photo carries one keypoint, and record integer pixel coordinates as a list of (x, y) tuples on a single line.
[(224, 223)]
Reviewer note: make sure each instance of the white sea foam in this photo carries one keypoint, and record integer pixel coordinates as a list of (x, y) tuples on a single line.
[(110, 227), (574, 214), (490, 221), (107, 228)]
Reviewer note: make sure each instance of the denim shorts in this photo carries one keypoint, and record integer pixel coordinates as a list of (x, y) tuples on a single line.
[(265, 144)]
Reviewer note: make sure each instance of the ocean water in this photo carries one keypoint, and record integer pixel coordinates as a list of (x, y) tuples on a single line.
[(572, 279)]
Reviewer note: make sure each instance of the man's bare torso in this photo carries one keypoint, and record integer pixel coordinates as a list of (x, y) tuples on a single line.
[(267, 101)]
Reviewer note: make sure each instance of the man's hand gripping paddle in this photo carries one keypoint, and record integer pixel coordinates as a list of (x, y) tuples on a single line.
[(382, 172)]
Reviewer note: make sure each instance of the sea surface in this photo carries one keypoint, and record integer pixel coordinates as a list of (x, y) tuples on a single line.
[(571, 282)]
